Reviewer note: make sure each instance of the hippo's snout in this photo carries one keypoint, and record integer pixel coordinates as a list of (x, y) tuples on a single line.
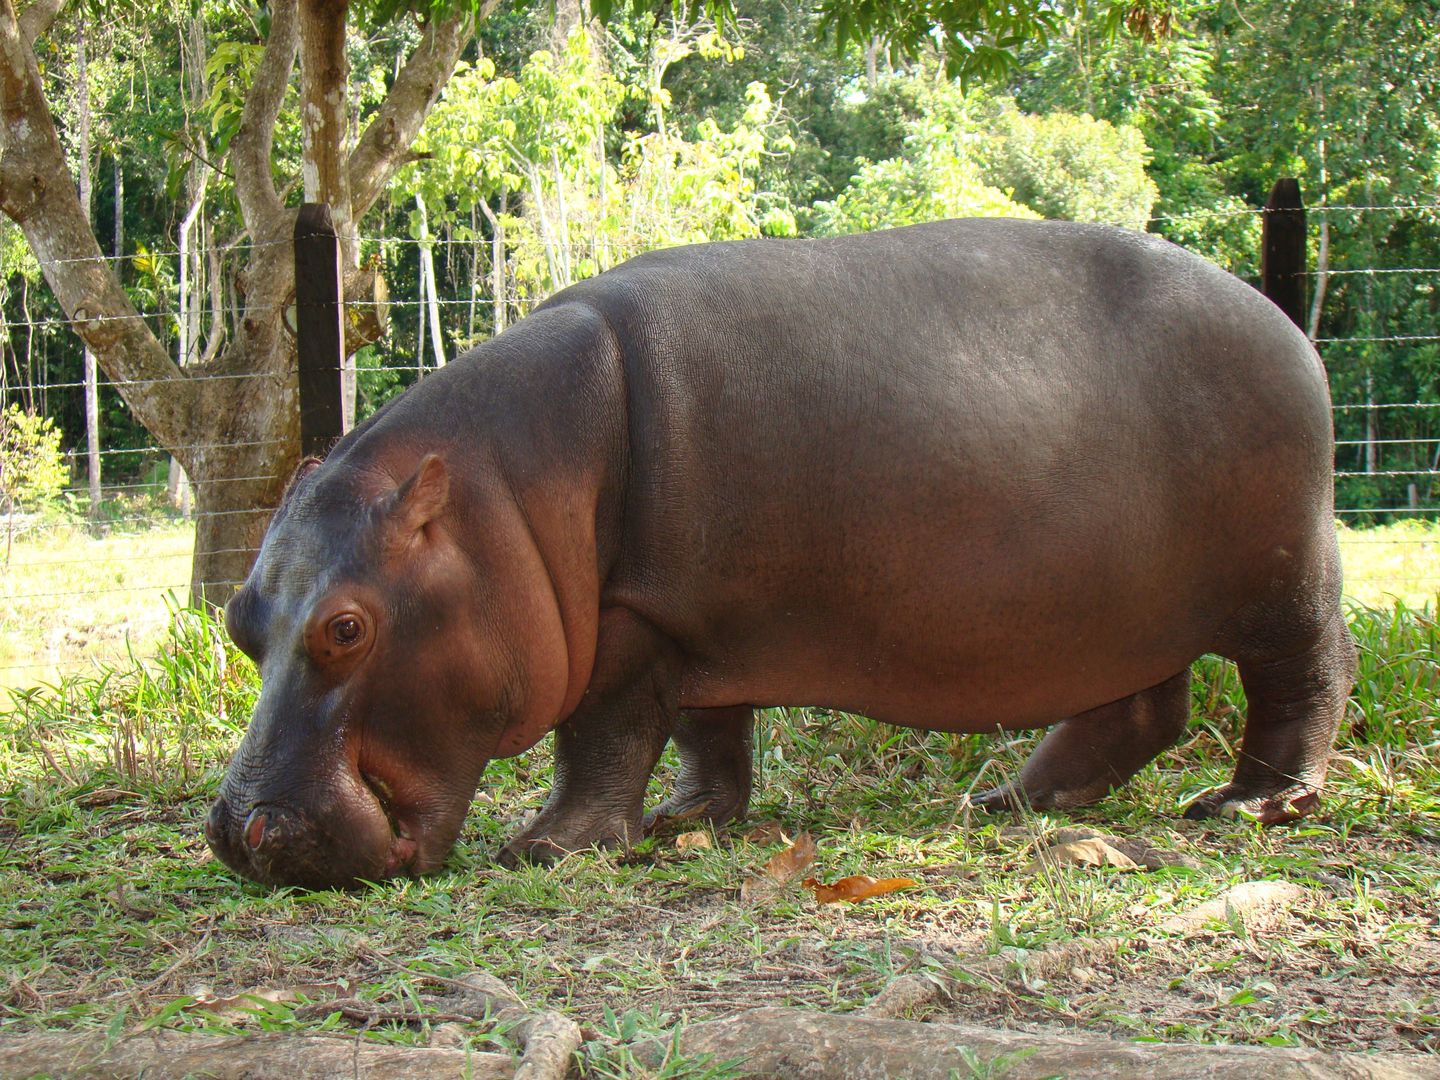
[(280, 845)]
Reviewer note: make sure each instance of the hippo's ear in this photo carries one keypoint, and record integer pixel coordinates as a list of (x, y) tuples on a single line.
[(303, 470), (419, 501)]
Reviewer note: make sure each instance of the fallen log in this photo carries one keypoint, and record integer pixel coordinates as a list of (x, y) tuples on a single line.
[(794, 1044), (173, 1055)]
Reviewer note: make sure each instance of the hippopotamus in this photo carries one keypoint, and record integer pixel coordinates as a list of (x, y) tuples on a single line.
[(961, 476)]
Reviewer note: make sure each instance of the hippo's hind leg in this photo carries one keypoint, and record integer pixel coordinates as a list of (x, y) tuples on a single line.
[(1296, 701), (716, 767), (1086, 757)]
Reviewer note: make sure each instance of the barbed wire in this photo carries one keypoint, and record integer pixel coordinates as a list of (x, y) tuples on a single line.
[(151, 557), (1386, 442), (1391, 472), (4, 597), (80, 490), (445, 240), (185, 587), (1392, 337), (1428, 510), (80, 452), (1323, 208), (198, 252), (1373, 270), (282, 373)]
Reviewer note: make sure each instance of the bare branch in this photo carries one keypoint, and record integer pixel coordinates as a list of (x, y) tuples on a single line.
[(36, 19), (386, 143), (250, 150)]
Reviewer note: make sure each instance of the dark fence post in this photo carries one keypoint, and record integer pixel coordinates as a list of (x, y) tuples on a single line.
[(1282, 249), (319, 328)]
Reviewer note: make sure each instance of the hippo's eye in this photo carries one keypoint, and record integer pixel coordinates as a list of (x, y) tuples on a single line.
[(346, 630)]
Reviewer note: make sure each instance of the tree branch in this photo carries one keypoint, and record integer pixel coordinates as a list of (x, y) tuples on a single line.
[(387, 139), (36, 19), (250, 149)]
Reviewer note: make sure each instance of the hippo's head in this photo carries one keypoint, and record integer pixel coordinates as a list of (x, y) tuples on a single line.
[(379, 708)]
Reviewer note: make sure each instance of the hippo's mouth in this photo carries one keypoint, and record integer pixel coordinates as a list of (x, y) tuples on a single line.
[(404, 848)]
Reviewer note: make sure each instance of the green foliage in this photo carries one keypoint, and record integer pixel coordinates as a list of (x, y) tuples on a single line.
[(935, 178), (32, 466), (966, 155), (543, 136), (704, 188), (1075, 167)]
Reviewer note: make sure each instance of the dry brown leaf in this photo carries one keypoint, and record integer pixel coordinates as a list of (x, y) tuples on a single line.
[(856, 888), (1091, 852), (784, 867), (693, 841), (242, 1006), (767, 833)]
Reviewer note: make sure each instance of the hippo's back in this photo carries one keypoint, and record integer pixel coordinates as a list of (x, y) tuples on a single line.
[(907, 460)]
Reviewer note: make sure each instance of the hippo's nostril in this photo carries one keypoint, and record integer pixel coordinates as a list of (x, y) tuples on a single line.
[(255, 829)]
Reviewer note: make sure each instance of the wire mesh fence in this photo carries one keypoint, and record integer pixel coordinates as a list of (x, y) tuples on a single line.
[(75, 590)]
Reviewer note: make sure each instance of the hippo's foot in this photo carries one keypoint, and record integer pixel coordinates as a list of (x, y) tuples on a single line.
[(715, 768), (1268, 808), (1014, 796), (1296, 703), (715, 805), (549, 837)]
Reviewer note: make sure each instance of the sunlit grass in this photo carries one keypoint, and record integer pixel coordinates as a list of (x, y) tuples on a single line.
[(69, 601), (1392, 562)]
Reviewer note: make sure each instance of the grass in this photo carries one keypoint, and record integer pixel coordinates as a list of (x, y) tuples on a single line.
[(1393, 562), (114, 916), (70, 600)]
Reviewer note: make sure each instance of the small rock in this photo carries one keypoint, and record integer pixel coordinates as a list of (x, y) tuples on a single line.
[(1090, 852)]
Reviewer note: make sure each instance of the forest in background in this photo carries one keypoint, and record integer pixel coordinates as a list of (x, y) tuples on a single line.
[(560, 148)]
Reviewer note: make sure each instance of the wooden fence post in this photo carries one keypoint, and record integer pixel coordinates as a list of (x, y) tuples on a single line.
[(319, 328), (1282, 249)]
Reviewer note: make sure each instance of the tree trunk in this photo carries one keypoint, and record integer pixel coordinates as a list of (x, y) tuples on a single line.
[(431, 299), (91, 375), (497, 261), (119, 248), (1372, 425), (233, 423)]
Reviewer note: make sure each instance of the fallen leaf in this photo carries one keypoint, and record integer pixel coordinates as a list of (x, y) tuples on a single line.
[(692, 841), (1091, 852), (856, 888), (784, 867), (244, 1005), (767, 833), (1140, 850)]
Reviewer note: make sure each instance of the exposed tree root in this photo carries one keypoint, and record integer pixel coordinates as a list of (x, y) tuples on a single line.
[(172, 1055), (818, 1046)]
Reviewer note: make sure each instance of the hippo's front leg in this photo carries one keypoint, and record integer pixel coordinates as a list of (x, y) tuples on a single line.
[(606, 750)]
